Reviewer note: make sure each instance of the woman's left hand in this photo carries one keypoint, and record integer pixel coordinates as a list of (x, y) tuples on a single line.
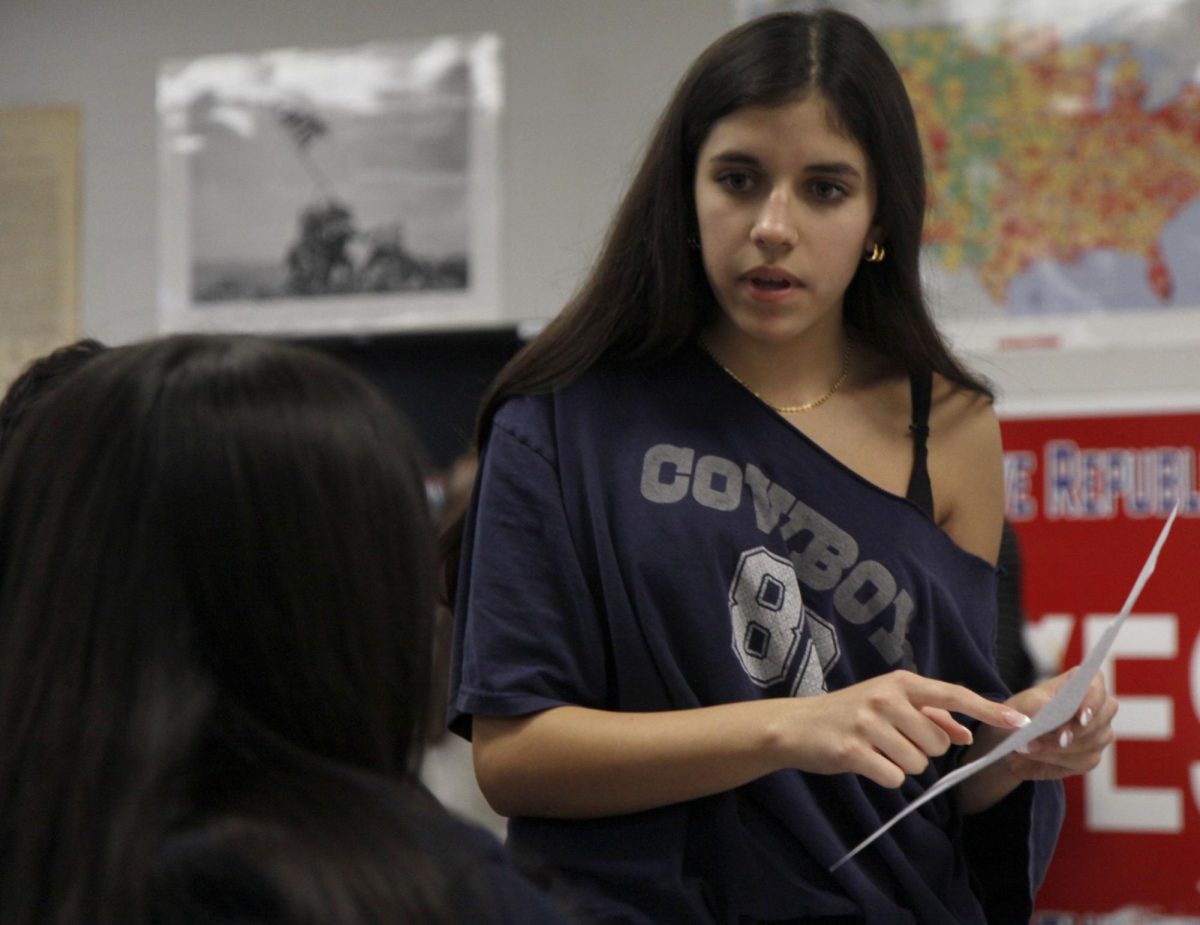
[(1073, 748)]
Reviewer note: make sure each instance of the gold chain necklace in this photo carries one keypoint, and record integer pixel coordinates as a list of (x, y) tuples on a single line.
[(788, 409)]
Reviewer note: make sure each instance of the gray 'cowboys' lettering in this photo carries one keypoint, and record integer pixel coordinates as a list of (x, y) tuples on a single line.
[(823, 556)]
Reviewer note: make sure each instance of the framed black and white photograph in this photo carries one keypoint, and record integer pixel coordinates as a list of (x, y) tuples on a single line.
[(331, 191)]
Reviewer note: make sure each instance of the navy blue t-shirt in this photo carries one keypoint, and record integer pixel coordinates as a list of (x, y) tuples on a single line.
[(659, 539)]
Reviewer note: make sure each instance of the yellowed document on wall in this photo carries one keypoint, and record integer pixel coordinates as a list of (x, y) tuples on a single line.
[(39, 233)]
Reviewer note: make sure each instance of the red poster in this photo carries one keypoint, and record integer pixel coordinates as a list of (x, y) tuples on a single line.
[(1088, 497)]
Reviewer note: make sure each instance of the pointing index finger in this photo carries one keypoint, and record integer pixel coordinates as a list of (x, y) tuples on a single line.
[(962, 700)]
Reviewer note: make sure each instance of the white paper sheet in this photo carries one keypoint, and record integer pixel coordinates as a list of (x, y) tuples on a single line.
[(1060, 710)]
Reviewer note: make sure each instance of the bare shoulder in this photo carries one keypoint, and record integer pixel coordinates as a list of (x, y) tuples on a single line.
[(966, 468)]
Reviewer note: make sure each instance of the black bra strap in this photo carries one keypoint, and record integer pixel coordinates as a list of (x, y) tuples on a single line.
[(920, 492)]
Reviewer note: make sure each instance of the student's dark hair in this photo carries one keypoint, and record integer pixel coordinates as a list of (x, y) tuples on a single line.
[(215, 606), (39, 377), (648, 295)]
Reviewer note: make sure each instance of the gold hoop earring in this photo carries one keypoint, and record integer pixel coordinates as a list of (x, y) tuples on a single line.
[(877, 253)]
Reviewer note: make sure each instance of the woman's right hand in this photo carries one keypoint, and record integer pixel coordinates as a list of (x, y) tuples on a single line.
[(885, 728), (577, 762)]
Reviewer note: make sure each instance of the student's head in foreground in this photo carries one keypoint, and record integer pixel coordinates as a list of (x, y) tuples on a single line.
[(215, 604)]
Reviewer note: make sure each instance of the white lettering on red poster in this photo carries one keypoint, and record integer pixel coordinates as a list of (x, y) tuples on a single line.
[(1087, 497)]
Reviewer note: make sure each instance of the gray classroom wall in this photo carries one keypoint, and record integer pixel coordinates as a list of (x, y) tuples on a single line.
[(584, 80)]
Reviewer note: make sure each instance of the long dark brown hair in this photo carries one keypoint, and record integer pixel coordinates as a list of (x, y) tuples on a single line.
[(215, 607), (647, 294)]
